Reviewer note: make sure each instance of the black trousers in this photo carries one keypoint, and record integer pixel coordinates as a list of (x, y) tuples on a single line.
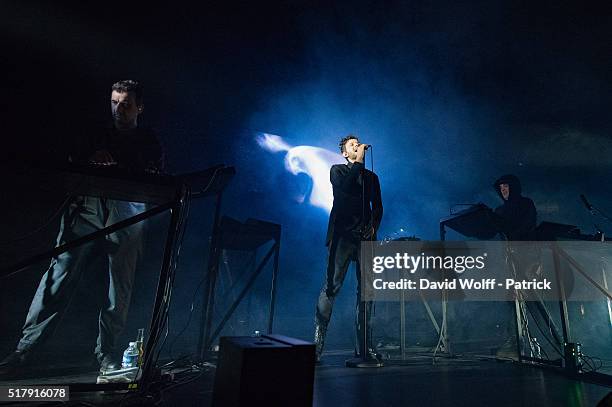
[(86, 215), (342, 251)]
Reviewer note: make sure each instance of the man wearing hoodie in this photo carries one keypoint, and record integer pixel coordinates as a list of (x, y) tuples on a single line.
[(517, 214), (517, 222)]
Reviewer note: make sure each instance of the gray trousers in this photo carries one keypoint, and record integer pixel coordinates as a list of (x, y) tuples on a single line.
[(55, 290), (343, 250)]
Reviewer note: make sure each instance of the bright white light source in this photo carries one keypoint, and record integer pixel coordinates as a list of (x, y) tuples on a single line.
[(312, 161)]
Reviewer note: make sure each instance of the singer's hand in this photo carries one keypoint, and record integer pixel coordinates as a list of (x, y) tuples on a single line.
[(361, 152), (102, 157), (369, 233)]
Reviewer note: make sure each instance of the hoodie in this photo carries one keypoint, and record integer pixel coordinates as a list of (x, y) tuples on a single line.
[(517, 215)]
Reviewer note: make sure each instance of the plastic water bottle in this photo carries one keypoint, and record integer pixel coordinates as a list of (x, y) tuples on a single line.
[(130, 356)]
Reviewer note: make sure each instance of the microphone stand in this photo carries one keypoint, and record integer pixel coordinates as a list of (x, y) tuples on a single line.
[(593, 210), (364, 359)]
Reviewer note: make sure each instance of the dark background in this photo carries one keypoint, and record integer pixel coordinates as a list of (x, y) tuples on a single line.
[(452, 95)]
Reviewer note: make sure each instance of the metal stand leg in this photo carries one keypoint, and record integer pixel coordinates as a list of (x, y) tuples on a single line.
[(164, 287), (273, 288), (244, 291), (608, 301), (365, 359), (211, 281), (402, 326)]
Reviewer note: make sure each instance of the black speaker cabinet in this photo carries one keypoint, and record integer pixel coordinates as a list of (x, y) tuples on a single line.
[(269, 370)]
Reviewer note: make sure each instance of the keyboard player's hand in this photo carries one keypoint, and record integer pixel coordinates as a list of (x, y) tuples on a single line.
[(102, 157)]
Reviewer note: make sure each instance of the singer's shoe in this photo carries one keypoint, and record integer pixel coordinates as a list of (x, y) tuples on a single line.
[(13, 364), (371, 355), (371, 359), (319, 340), (108, 363), (508, 350)]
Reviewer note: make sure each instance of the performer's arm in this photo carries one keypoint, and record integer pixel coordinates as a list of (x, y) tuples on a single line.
[(527, 221), (86, 148), (345, 182), (154, 158), (519, 225)]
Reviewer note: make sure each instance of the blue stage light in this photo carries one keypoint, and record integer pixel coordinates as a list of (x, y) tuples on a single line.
[(312, 161)]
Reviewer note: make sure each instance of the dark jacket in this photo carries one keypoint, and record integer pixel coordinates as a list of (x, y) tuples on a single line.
[(517, 215), (351, 214)]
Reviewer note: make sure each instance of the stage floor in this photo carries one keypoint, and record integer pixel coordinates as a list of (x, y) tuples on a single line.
[(466, 381), (469, 381)]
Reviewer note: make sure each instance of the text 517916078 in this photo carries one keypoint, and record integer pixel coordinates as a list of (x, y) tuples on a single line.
[(34, 393)]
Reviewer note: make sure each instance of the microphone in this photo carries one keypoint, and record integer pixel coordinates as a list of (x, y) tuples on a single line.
[(366, 146), (586, 203)]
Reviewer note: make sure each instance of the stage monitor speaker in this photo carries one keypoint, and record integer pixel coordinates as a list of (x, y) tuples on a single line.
[(606, 401), (267, 370)]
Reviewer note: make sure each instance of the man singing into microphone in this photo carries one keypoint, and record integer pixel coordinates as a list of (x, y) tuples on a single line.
[(355, 216)]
